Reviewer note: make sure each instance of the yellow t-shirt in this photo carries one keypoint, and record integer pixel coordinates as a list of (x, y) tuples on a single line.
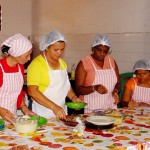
[(37, 72)]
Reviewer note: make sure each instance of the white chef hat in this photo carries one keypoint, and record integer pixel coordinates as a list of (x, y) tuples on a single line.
[(18, 44), (102, 39), (142, 64), (51, 38)]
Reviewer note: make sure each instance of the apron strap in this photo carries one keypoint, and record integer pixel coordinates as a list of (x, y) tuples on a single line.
[(19, 69), (92, 63), (134, 81), (47, 62), (95, 66), (2, 68), (110, 62)]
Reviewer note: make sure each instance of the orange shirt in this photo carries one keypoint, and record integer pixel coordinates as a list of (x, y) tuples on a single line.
[(90, 69), (130, 84)]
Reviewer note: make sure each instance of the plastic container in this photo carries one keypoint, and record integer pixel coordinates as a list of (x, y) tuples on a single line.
[(2, 124), (76, 105), (25, 125), (41, 120)]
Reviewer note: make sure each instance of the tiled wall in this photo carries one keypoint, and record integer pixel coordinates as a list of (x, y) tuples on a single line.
[(126, 48), (126, 21)]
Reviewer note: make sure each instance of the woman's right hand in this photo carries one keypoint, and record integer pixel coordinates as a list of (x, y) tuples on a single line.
[(6, 115), (59, 112), (100, 89), (132, 104)]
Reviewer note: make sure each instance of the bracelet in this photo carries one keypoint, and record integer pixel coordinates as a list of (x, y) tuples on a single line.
[(73, 97), (116, 90), (94, 89), (23, 106)]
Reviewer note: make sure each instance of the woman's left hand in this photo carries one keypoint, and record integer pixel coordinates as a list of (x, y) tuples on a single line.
[(76, 99), (140, 104), (116, 97), (28, 112)]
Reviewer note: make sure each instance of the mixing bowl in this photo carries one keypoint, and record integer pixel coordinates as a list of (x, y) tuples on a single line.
[(25, 125)]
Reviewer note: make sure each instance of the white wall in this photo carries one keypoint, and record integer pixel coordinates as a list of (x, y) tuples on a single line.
[(16, 18), (127, 22)]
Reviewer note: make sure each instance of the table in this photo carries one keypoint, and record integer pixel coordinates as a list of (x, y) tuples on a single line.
[(131, 134)]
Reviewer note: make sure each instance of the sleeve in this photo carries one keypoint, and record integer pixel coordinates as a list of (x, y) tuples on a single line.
[(130, 84), (33, 73), (20, 99), (87, 64)]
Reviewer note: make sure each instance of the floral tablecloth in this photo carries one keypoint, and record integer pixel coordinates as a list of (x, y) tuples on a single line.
[(132, 134)]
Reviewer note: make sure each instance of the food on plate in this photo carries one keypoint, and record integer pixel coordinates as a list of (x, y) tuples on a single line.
[(118, 116), (71, 119)]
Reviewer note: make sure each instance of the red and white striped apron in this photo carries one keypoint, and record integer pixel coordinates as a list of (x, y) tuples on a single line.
[(141, 94), (10, 89), (95, 100)]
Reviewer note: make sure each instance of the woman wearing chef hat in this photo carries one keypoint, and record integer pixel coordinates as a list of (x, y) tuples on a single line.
[(18, 49), (137, 89), (97, 77), (47, 78)]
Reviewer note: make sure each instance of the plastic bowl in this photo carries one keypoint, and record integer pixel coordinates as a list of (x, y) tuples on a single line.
[(2, 126), (75, 105), (26, 126), (41, 120)]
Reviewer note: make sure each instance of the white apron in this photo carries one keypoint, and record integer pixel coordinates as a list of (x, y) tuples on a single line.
[(10, 90), (56, 91), (141, 94), (101, 101)]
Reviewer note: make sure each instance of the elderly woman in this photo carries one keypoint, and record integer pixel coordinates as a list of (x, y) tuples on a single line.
[(97, 77), (47, 78), (17, 49), (137, 89)]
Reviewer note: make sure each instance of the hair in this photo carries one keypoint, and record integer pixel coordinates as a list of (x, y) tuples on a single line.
[(5, 49), (57, 41), (136, 71)]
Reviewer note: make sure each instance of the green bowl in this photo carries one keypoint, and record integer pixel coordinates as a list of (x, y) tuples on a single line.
[(2, 126), (41, 120), (75, 105)]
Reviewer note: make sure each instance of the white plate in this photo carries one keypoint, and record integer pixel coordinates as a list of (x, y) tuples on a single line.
[(100, 120)]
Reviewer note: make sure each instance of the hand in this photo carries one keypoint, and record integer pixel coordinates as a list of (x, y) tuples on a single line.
[(132, 104), (76, 99), (6, 115), (140, 104), (100, 89), (27, 111), (116, 97), (59, 112)]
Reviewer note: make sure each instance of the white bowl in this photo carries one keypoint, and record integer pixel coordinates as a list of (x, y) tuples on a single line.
[(25, 126)]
